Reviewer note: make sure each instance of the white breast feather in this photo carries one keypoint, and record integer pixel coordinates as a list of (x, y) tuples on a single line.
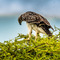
[(35, 28)]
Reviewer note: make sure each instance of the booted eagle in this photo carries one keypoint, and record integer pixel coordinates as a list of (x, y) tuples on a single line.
[(36, 22)]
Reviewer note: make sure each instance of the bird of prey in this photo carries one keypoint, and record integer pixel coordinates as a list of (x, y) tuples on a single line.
[(36, 22)]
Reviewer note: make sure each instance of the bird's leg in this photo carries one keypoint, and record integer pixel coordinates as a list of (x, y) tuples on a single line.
[(29, 33), (37, 34), (29, 30)]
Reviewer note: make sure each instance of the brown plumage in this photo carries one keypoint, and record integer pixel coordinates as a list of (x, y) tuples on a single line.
[(33, 18)]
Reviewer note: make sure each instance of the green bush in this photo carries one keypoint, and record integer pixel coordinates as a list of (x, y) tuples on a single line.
[(45, 48)]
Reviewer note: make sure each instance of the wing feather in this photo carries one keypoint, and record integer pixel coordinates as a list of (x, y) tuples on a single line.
[(32, 17)]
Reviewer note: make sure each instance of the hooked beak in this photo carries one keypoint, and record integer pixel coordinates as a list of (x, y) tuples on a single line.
[(20, 21)]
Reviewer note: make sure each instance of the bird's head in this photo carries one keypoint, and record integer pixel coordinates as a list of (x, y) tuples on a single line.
[(20, 20)]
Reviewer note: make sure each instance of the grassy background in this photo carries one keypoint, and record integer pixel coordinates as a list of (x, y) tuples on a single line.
[(45, 48)]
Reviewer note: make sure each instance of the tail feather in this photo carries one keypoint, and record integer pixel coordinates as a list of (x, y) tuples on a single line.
[(48, 33), (46, 29)]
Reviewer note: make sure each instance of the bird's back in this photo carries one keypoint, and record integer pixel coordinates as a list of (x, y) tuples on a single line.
[(32, 17)]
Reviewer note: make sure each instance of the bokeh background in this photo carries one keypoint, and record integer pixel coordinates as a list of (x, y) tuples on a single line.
[(10, 10)]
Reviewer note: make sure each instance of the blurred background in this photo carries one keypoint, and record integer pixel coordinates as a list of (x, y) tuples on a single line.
[(10, 10)]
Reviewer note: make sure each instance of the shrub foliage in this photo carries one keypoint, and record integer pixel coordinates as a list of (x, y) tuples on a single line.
[(44, 48)]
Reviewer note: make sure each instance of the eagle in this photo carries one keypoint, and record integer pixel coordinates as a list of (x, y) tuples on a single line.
[(35, 22)]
